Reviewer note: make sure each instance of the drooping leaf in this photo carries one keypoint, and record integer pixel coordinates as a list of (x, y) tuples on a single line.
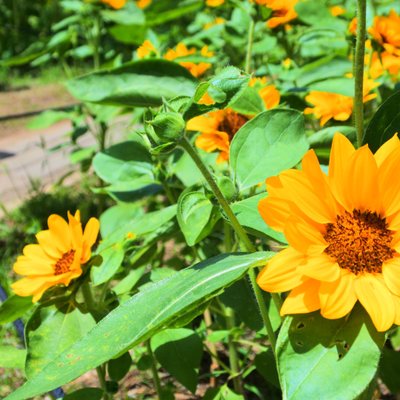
[(85, 394), (384, 124), (179, 351), (317, 357), (141, 83), (271, 142), (14, 307), (150, 310), (119, 367)]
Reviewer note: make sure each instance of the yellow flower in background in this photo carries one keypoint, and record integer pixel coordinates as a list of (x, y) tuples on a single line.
[(217, 130), (58, 257), (353, 26), (334, 105), (145, 49), (268, 93), (329, 105), (143, 3), (117, 4), (283, 11), (386, 31), (217, 21), (343, 231), (384, 62), (214, 3), (181, 51), (337, 10)]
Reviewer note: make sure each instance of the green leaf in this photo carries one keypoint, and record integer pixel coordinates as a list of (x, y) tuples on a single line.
[(165, 13), (141, 317), (48, 118), (266, 366), (222, 393), (344, 86), (123, 162), (128, 34), (384, 124), (179, 351), (195, 216), (248, 215), (269, 143), (324, 137), (141, 83), (318, 357), (14, 307), (85, 394), (119, 367), (248, 103), (10, 357), (50, 331), (389, 369), (317, 42)]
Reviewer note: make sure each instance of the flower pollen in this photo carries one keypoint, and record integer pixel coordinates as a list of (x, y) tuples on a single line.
[(232, 122), (359, 241), (64, 263)]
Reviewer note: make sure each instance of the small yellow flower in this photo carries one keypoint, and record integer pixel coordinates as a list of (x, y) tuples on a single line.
[(386, 31), (268, 93), (217, 129), (337, 10), (58, 257), (117, 4), (145, 49), (214, 3), (217, 21), (384, 62), (353, 26), (343, 230), (283, 11), (143, 3), (196, 69)]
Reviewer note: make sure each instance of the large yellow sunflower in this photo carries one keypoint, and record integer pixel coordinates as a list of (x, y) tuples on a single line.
[(58, 257), (343, 231)]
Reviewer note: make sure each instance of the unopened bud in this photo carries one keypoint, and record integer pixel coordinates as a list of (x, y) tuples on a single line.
[(168, 126)]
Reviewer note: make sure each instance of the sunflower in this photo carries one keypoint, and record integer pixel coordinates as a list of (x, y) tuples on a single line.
[(217, 130), (269, 93), (58, 257), (117, 4), (386, 31), (146, 49), (283, 11), (343, 231)]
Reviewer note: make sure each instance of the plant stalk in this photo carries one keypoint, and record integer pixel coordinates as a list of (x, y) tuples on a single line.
[(156, 378), (187, 146), (250, 39), (359, 71)]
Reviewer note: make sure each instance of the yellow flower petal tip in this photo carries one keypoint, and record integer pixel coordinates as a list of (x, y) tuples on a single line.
[(58, 256), (343, 230), (117, 4)]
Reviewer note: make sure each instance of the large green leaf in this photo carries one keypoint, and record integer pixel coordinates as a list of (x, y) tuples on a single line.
[(50, 331), (14, 307), (141, 83), (11, 357), (179, 351), (141, 317), (384, 124), (248, 215), (327, 359), (271, 142)]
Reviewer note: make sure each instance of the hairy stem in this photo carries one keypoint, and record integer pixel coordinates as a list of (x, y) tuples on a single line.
[(250, 39), (359, 71)]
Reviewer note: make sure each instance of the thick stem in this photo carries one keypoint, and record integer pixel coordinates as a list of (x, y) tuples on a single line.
[(103, 384), (187, 146), (250, 38), (359, 71), (156, 378)]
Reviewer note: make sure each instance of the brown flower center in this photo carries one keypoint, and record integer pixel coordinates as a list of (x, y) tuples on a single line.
[(359, 241), (64, 263), (232, 122)]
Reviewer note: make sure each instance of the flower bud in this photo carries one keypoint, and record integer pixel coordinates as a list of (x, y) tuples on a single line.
[(168, 126)]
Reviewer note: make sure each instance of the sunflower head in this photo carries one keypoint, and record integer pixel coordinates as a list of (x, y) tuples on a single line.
[(343, 230), (58, 256)]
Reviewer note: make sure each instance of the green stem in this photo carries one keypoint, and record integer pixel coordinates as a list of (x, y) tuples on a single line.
[(102, 381), (187, 146), (359, 71), (233, 354), (250, 38), (156, 378)]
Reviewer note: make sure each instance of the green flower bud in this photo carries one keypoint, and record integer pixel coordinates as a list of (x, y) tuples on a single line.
[(168, 126)]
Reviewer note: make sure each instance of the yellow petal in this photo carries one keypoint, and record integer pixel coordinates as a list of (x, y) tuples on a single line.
[(391, 275), (338, 298), (52, 246), (75, 228), (320, 267), (396, 301), (35, 252), (275, 212), (280, 274), (302, 299), (27, 266), (376, 299), (89, 238), (60, 231)]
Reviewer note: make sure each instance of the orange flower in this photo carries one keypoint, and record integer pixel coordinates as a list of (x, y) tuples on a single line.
[(58, 257), (329, 105), (283, 11), (337, 10), (143, 3), (384, 62), (214, 3), (337, 106), (343, 230), (353, 26), (269, 93), (386, 31), (117, 4), (217, 129), (145, 49), (181, 51)]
